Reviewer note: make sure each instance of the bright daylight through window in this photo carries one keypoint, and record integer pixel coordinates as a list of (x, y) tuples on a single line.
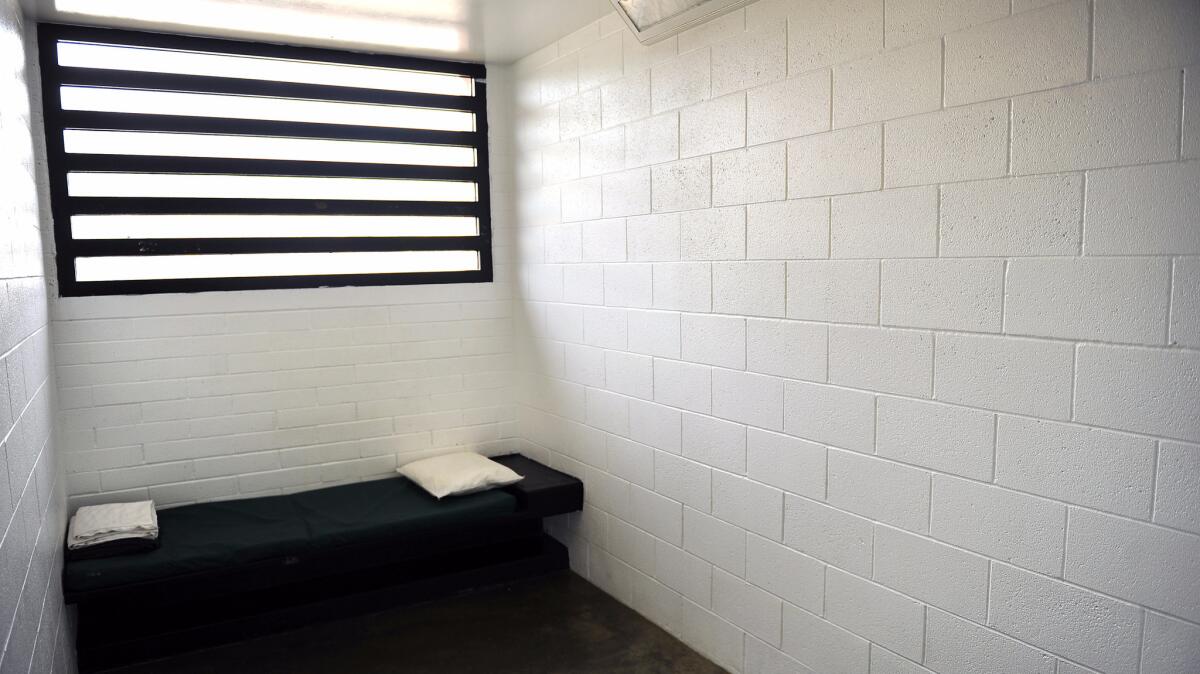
[(182, 164)]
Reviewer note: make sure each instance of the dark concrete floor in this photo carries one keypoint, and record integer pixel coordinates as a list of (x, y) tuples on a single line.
[(560, 623)]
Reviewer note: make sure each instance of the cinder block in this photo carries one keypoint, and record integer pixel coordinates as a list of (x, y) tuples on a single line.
[(656, 514), (881, 490), (600, 62), (823, 646), (625, 100), (579, 114), (1143, 210), (713, 234), (748, 176), (602, 152), (628, 285), (788, 230), (560, 162), (682, 480), (829, 415), (1134, 120), (830, 535), (945, 294), (1039, 215), (748, 504), (1076, 464), (761, 658), (956, 645), (785, 462), (785, 573), (882, 359), (748, 398), (681, 81), (626, 193), (629, 374), (842, 291), (654, 333), (790, 108), (1086, 627), (1023, 376), (653, 238), (1141, 563), (604, 240), (714, 340), (1175, 502), (1169, 646), (787, 348), (748, 607), (887, 224), (1185, 303), (685, 286), (656, 425), (881, 615), (652, 141), (964, 143), (910, 21), (1135, 37), (713, 126), (1032, 51), (950, 439), (682, 185), (1109, 299), (934, 573), (748, 59), (1001, 524), (892, 84), (715, 443), (715, 541), (1143, 390), (683, 385), (749, 288), (687, 574), (838, 162), (832, 31)]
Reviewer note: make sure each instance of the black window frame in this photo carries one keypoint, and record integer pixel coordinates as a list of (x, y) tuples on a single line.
[(60, 163)]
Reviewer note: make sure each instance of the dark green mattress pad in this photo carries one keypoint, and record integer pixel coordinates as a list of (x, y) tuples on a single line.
[(210, 536)]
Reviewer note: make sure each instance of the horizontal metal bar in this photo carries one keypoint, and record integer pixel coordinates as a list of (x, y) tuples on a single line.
[(125, 79), (123, 121), (110, 247), (273, 167), (244, 48), (80, 289), (189, 206)]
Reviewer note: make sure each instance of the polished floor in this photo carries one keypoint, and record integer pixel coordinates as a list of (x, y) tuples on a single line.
[(560, 623)]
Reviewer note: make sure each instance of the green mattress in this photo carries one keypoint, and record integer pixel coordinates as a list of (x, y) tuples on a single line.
[(210, 536)]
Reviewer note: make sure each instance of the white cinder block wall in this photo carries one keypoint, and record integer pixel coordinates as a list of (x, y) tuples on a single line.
[(873, 328), (185, 398), (34, 636)]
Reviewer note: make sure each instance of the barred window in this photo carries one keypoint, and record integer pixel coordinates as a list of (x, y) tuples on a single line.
[(184, 164)]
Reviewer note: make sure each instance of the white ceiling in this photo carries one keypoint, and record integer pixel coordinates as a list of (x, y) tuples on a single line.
[(495, 31)]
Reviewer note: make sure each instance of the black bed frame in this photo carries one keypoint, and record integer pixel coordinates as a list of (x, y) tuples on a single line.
[(134, 623)]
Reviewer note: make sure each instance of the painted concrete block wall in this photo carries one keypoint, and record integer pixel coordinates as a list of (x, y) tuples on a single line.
[(196, 397), (871, 327), (34, 632)]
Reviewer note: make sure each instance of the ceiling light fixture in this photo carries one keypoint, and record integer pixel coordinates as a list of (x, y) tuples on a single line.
[(655, 20)]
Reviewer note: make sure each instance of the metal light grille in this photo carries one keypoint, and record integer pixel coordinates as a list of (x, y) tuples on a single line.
[(184, 164)]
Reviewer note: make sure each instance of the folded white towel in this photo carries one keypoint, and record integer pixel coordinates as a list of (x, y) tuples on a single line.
[(93, 525)]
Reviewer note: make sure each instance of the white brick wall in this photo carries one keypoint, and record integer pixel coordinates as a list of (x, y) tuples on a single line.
[(35, 633), (897, 369)]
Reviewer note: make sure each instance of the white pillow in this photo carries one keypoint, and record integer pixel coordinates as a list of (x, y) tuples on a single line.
[(461, 473)]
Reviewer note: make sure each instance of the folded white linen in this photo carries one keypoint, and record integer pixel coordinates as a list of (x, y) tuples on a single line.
[(97, 524)]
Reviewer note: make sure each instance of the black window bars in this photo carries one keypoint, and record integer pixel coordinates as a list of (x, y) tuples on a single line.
[(186, 164)]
